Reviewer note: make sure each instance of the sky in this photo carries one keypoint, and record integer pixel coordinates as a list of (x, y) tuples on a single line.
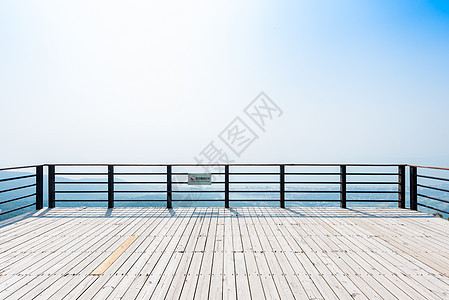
[(164, 81)]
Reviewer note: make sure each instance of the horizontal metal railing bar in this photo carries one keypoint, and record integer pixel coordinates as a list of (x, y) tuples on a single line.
[(313, 191), (79, 200), (373, 201), (372, 174), (433, 198), (221, 182), (81, 182), (18, 188), (308, 200), (369, 201), (233, 182), (372, 192), (163, 200), (220, 173), (187, 173), (81, 174), (254, 200), (311, 182), (199, 200), (140, 191), (184, 182), (232, 164), (371, 182), (21, 167), (139, 173), (140, 182), (251, 191), (135, 200), (254, 173), (196, 191), (432, 188), (16, 178), (79, 192), (434, 208), (15, 209), (432, 177), (291, 200), (253, 182), (18, 198), (428, 167), (311, 173)]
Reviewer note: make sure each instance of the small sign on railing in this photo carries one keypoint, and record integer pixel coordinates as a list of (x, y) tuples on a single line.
[(199, 179)]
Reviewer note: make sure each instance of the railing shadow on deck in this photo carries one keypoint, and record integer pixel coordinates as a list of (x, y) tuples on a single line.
[(233, 212)]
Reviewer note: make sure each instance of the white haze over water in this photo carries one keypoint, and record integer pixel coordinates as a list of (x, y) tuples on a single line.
[(114, 81)]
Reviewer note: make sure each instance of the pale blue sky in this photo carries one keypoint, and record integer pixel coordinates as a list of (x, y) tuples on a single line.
[(116, 81)]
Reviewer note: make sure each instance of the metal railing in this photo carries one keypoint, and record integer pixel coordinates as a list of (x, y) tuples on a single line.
[(16, 190), (424, 179), (167, 184), (278, 181)]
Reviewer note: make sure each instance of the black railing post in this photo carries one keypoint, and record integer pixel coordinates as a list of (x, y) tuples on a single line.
[(343, 186), (401, 188), (39, 187), (110, 186), (413, 188), (169, 186), (282, 185), (51, 186), (227, 186)]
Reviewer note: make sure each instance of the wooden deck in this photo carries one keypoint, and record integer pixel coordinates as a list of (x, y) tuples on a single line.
[(215, 253)]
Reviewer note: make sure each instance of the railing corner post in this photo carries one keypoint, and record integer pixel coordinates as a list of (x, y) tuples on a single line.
[(413, 188), (169, 187), (401, 187), (282, 186), (343, 186), (110, 186), (39, 187), (51, 186), (226, 186)]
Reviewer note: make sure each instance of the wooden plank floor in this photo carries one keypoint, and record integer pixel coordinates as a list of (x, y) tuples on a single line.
[(217, 253)]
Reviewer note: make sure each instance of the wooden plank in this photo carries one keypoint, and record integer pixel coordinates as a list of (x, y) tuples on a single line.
[(327, 290), (177, 283), (252, 270), (312, 246), (88, 261), (282, 285), (113, 257), (266, 276), (158, 268), (193, 272), (273, 253), (205, 273), (174, 265), (33, 265), (386, 262), (216, 281), (51, 269), (298, 252), (370, 259), (84, 258), (435, 261), (138, 260), (229, 284), (373, 269)]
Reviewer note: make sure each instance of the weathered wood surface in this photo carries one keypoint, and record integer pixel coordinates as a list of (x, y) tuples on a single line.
[(218, 253)]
